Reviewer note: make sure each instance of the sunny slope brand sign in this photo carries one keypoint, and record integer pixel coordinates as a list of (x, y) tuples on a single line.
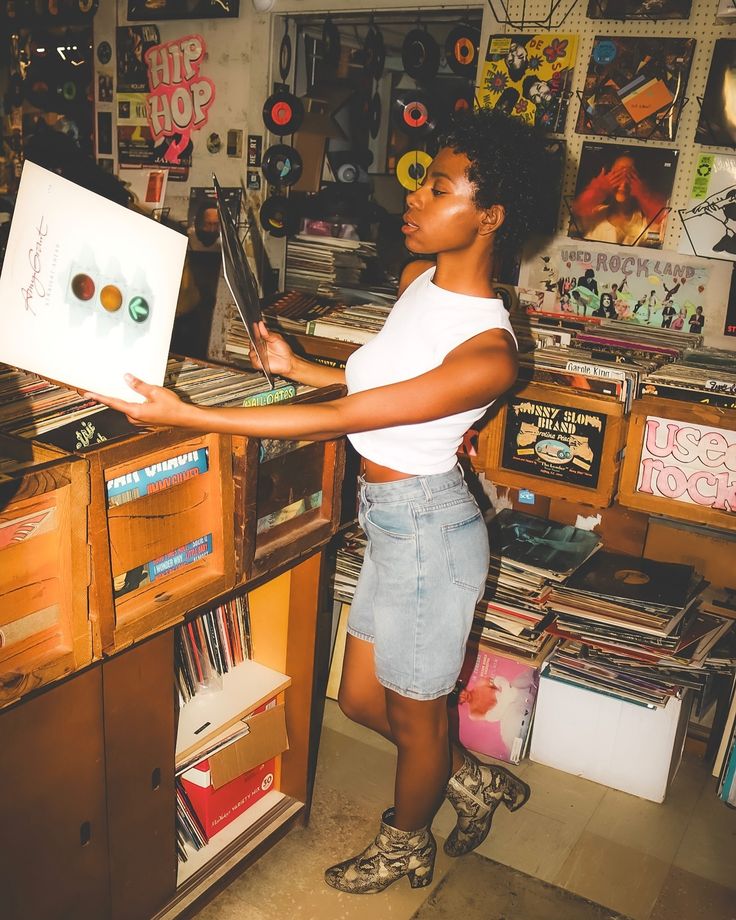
[(567, 442), (179, 97), (681, 462)]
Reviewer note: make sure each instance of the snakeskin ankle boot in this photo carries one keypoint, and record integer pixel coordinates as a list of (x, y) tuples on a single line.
[(392, 855), (475, 792)]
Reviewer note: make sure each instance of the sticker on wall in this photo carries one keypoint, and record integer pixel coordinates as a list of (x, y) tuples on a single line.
[(179, 96)]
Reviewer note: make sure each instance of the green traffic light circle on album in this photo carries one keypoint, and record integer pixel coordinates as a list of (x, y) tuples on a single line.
[(139, 310)]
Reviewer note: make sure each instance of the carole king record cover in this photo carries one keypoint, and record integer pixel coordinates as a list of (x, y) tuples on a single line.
[(717, 121), (530, 77), (709, 221), (88, 288), (635, 87), (622, 194)]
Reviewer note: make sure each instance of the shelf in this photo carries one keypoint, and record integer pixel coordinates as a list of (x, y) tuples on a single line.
[(228, 848), (244, 688)]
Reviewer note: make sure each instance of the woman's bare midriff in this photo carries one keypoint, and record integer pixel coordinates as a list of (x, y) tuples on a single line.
[(374, 472)]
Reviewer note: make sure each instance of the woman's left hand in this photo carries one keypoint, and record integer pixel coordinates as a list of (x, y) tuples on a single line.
[(162, 407)]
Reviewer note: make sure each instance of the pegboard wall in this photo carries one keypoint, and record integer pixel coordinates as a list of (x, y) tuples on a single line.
[(570, 16)]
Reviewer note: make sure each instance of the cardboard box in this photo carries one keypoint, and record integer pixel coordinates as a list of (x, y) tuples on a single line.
[(225, 784), (618, 744), (216, 808)]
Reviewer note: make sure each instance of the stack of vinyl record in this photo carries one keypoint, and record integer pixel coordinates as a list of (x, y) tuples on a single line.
[(528, 554), (327, 265), (357, 323), (347, 564), (617, 337), (212, 385), (698, 375), (189, 830)]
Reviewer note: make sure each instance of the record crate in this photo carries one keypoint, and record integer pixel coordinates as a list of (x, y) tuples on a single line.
[(161, 530), (290, 494), (45, 631)]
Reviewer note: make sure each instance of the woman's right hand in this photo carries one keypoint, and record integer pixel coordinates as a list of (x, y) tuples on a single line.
[(279, 353)]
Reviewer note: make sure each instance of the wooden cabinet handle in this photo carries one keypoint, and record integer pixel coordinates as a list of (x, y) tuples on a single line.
[(85, 833), (156, 779)]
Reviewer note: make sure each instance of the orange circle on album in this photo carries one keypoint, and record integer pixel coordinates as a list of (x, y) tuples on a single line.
[(111, 298), (464, 51)]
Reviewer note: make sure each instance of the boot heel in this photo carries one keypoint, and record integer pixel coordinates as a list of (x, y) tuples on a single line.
[(420, 881)]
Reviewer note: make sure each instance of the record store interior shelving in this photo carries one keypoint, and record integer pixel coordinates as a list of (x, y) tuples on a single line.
[(527, 16)]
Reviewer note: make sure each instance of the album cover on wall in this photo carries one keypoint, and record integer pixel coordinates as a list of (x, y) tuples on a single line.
[(529, 77), (183, 9), (88, 289), (635, 87), (709, 221), (717, 122), (622, 194), (639, 9)]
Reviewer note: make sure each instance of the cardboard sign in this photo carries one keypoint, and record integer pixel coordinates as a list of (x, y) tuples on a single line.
[(180, 97)]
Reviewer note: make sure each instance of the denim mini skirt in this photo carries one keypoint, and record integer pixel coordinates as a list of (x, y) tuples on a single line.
[(425, 568)]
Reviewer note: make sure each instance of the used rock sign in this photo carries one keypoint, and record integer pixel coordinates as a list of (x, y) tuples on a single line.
[(179, 96)]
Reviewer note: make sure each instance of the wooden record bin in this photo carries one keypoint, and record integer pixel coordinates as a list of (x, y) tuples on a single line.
[(44, 567), (161, 553), (287, 495)]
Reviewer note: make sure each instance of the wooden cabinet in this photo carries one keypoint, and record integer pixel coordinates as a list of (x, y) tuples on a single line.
[(53, 815)]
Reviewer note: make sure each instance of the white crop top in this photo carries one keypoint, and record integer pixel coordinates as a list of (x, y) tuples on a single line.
[(424, 326)]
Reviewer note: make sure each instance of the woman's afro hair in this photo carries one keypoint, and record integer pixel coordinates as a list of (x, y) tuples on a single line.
[(509, 165)]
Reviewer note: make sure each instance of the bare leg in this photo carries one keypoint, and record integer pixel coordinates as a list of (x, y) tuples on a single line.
[(419, 729)]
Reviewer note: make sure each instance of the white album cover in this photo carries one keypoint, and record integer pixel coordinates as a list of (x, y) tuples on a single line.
[(709, 221), (88, 288)]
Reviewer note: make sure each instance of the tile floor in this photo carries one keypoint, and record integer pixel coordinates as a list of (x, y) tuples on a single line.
[(675, 861)]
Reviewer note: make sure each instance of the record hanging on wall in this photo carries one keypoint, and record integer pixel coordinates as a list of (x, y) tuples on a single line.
[(282, 165), (412, 113), (420, 55), (285, 53), (283, 113), (411, 170), (374, 115), (374, 52), (461, 50), (277, 216)]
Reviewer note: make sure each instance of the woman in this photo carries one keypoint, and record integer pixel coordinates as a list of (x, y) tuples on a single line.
[(446, 352)]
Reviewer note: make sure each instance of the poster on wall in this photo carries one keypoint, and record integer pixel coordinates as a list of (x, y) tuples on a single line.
[(717, 121), (635, 87), (529, 77), (132, 42), (709, 221), (663, 289), (182, 9), (88, 289), (622, 194)]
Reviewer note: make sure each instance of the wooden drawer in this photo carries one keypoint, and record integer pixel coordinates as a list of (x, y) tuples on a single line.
[(44, 567), (290, 495), (161, 530)]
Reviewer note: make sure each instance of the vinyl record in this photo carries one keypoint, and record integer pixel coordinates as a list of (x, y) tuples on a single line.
[(277, 217), (285, 56), (461, 50), (374, 116), (411, 170), (348, 172), (283, 113), (462, 100), (412, 113), (330, 44), (420, 55), (375, 52), (282, 165)]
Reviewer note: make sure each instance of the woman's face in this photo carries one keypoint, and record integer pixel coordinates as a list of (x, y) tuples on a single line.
[(441, 215)]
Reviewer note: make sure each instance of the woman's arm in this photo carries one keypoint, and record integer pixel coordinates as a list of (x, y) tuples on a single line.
[(472, 375)]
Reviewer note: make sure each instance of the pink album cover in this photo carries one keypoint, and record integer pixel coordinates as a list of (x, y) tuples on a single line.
[(496, 704)]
